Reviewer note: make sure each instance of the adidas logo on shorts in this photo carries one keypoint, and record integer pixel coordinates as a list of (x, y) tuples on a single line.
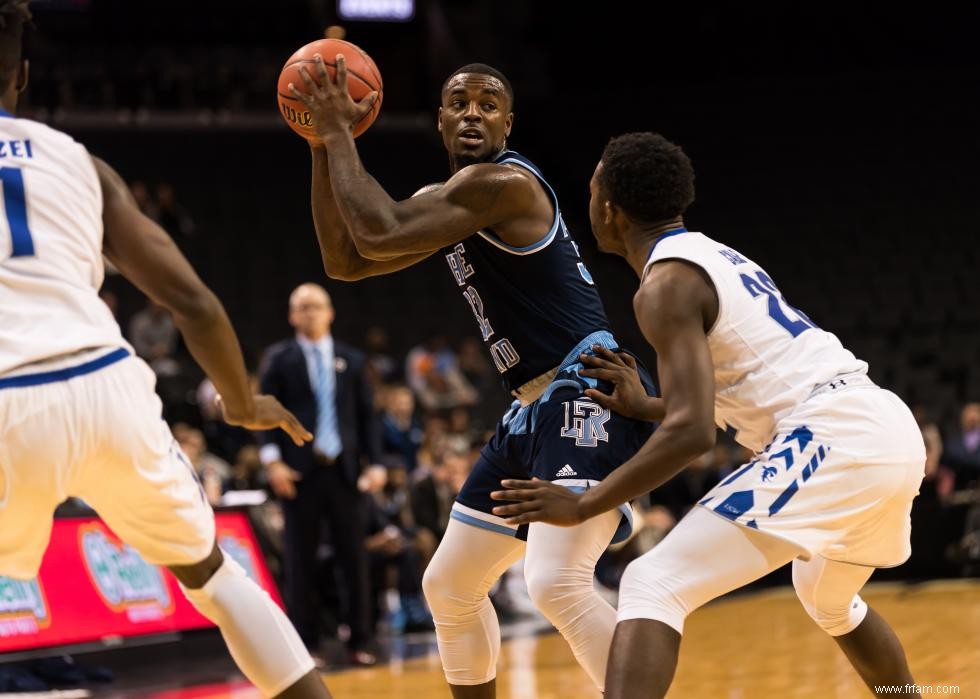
[(565, 472)]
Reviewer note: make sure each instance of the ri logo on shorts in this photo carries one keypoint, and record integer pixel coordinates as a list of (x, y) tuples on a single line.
[(584, 422)]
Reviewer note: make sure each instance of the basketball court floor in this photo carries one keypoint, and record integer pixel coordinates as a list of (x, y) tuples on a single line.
[(755, 645)]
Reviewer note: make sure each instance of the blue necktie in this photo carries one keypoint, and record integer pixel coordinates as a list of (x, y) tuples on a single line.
[(327, 440)]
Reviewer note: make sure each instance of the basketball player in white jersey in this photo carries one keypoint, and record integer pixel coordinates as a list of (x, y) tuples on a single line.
[(837, 459), (78, 412)]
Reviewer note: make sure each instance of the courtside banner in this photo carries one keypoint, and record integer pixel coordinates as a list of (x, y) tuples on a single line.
[(94, 588)]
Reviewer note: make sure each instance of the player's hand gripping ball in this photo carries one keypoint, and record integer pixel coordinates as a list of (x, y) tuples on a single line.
[(363, 78)]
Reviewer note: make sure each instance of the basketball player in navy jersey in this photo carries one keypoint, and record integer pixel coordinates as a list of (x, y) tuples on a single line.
[(498, 225), (837, 460)]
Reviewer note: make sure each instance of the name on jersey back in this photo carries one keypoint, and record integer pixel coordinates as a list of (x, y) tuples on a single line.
[(16, 149)]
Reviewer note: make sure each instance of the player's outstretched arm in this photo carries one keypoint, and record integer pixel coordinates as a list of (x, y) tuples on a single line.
[(341, 259), (146, 256), (672, 308), (476, 197)]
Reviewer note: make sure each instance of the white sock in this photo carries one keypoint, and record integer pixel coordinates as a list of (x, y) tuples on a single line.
[(261, 639)]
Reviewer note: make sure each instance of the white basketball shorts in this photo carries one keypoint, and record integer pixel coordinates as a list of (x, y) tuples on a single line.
[(94, 431), (837, 480)]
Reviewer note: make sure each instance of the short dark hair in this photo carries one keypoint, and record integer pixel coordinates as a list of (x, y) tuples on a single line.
[(483, 69), (14, 15), (647, 176)]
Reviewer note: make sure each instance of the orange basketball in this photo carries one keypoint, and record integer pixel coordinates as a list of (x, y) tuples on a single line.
[(363, 78)]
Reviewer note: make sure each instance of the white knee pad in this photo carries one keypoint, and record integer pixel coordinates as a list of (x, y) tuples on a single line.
[(568, 599), (828, 592), (839, 619), (644, 594), (456, 583), (260, 638), (555, 590)]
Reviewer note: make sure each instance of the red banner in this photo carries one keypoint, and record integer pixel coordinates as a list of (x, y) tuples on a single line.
[(92, 588)]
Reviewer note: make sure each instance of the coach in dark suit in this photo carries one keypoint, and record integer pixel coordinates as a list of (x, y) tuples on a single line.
[(323, 382)]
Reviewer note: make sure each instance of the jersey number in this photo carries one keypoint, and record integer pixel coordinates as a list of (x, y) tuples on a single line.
[(760, 285), (476, 303), (504, 355), (15, 207)]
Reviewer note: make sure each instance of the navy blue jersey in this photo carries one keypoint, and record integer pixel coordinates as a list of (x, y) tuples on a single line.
[(532, 304)]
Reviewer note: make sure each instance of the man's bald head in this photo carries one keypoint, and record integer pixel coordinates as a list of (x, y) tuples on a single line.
[(311, 311), (309, 290)]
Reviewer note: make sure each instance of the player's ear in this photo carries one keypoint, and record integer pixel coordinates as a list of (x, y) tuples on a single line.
[(439, 120), (609, 211), (22, 74), (508, 123)]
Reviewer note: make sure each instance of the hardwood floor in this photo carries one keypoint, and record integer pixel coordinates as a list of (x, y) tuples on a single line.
[(753, 647)]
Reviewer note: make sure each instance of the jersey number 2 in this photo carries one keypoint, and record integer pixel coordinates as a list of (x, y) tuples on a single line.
[(15, 206), (760, 285)]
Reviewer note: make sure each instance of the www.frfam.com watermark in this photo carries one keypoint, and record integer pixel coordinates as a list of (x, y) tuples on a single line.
[(923, 690)]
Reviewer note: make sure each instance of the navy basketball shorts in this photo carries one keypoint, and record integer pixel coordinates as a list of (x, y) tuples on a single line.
[(563, 437)]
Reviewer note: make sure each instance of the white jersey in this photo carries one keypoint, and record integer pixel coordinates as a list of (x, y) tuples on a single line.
[(768, 357), (50, 248)]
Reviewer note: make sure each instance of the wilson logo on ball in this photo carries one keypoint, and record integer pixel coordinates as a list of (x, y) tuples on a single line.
[(304, 119)]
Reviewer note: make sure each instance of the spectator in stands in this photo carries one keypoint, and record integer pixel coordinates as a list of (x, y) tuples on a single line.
[(938, 477), (433, 373), (460, 423), (401, 432), (154, 337), (172, 215), (382, 367), (934, 524), (324, 383), (432, 497), (177, 221), (247, 472), (394, 548), (962, 452), (211, 470), (144, 200), (435, 431)]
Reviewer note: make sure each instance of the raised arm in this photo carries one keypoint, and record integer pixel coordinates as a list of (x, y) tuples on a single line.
[(479, 196), (674, 306), (341, 259), (147, 257)]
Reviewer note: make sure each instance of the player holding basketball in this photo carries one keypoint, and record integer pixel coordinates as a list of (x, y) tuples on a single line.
[(497, 223), (78, 413), (838, 460)]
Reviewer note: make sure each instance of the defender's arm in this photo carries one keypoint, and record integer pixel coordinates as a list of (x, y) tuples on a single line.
[(671, 307), (147, 257)]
